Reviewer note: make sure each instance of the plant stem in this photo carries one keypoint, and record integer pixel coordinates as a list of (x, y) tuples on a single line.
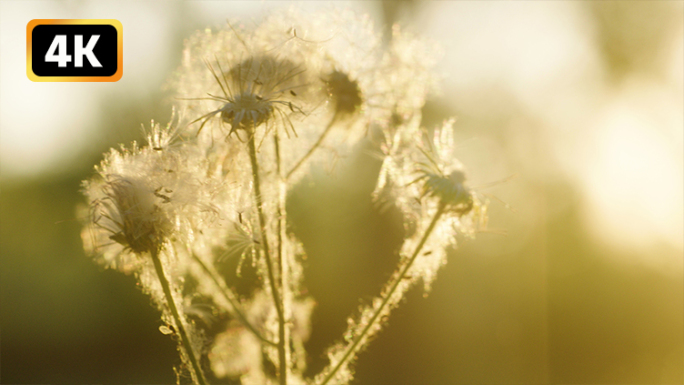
[(279, 212), (313, 148), (232, 301), (283, 331), (402, 274), (185, 341), (269, 263)]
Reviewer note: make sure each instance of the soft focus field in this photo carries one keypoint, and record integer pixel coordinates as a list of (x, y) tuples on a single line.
[(582, 101)]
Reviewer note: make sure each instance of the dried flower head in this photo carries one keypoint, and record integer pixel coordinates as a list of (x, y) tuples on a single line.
[(132, 208), (255, 91), (344, 93), (440, 176), (144, 198), (414, 171), (249, 78), (293, 89), (422, 179)]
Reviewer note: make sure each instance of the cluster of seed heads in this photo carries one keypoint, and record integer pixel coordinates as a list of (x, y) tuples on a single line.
[(256, 110)]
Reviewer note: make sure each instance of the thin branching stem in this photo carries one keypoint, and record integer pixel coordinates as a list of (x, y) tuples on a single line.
[(313, 148), (376, 316), (283, 332), (279, 212), (232, 301), (267, 255), (194, 362)]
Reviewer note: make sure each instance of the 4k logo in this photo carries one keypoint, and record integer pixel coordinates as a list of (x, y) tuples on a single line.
[(74, 50)]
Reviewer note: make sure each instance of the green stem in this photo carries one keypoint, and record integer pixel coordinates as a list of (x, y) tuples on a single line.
[(314, 147), (402, 274), (232, 301), (267, 255), (185, 341)]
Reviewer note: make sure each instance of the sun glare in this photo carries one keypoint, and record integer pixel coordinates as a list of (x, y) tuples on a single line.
[(634, 172)]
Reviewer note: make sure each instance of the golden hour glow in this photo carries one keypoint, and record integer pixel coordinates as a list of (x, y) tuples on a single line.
[(349, 192)]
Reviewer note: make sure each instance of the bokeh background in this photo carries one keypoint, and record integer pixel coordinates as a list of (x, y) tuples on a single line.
[(583, 101)]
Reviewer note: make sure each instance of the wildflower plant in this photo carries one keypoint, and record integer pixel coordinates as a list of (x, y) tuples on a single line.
[(256, 108)]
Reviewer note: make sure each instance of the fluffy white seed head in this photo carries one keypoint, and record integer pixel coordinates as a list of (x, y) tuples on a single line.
[(421, 177), (255, 103), (239, 78), (145, 198)]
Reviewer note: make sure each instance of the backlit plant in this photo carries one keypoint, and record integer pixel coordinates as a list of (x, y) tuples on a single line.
[(256, 109)]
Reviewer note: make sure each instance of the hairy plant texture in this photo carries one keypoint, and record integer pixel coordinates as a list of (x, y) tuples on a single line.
[(256, 108)]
